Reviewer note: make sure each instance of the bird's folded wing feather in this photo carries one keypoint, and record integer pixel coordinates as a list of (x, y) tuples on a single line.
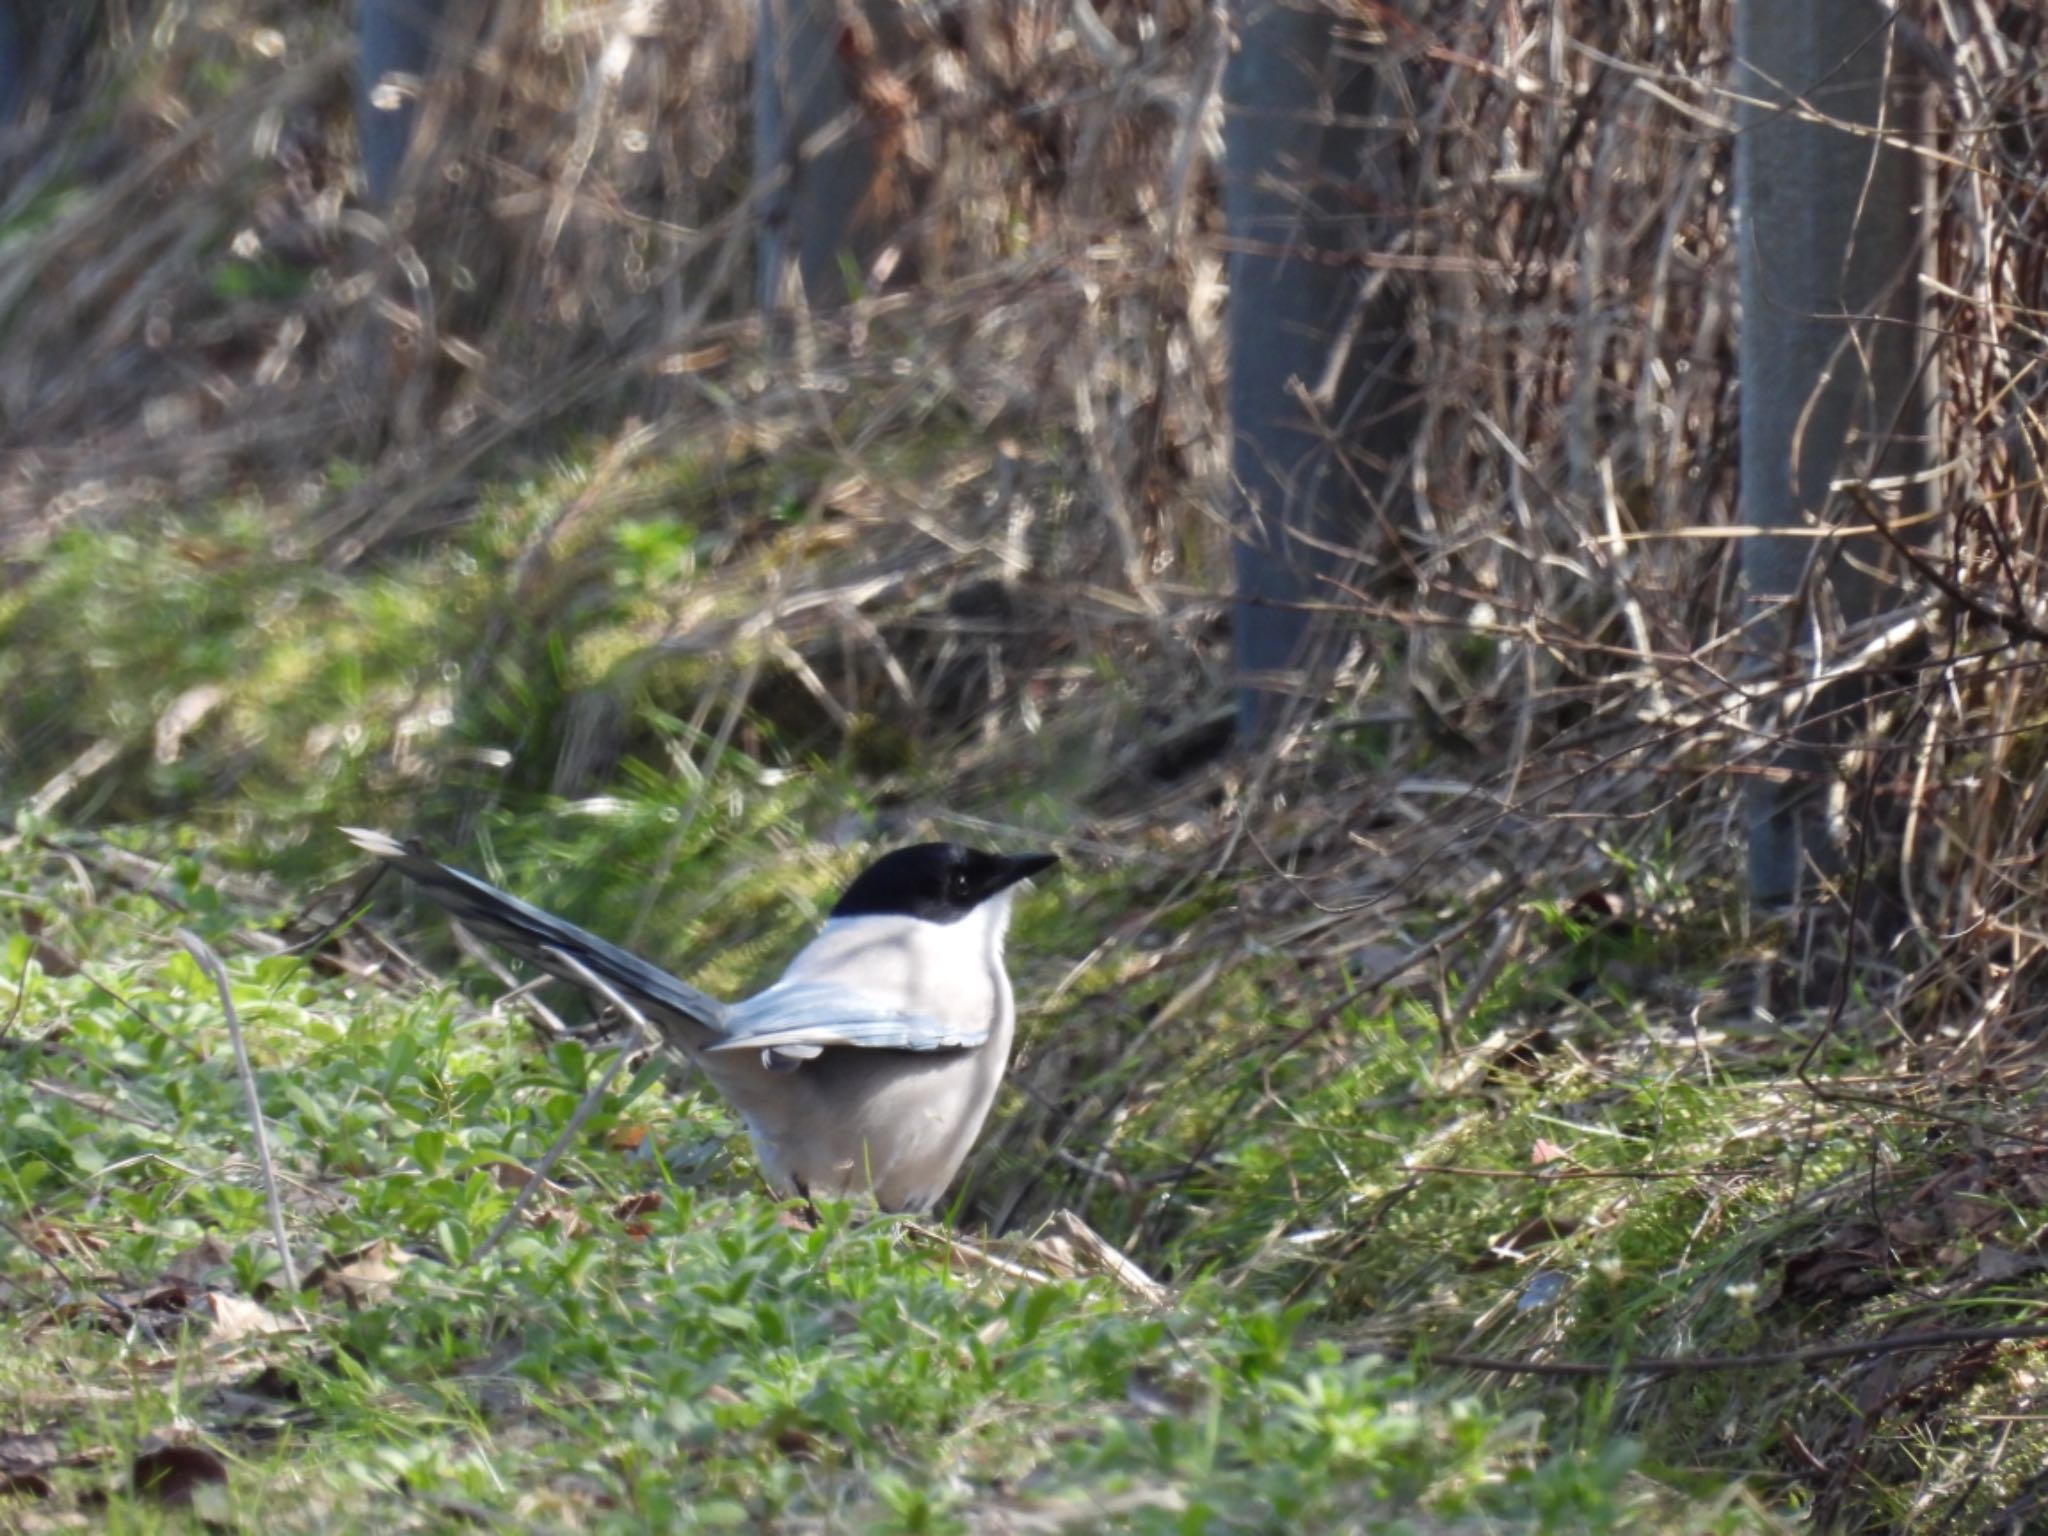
[(793, 1015), (535, 935)]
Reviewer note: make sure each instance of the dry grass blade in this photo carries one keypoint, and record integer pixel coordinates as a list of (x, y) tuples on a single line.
[(1070, 1246), (209, 962)]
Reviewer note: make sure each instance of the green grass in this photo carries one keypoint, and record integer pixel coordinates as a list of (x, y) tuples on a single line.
[(1561, 1170), (657, 1347), (667, 622)]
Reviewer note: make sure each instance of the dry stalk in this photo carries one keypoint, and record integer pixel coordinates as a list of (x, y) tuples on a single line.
[(208, 961)]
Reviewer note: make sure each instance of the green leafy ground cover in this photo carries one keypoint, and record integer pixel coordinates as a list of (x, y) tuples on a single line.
[(1549, 1158), (658, 1346), (1539, 1159), (654, 1344), (1438, 1031)]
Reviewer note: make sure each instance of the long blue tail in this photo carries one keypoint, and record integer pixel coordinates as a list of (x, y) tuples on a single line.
[(532, 934)]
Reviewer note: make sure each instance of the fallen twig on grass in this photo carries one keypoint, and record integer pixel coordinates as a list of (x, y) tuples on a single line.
[(1065, 1247), (1069, 1244)]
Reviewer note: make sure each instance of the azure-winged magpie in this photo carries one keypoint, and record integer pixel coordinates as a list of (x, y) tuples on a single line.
[(868, 1068)]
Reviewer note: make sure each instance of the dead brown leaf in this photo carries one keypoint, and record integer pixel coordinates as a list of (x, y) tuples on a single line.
[(175, 1474), (200, 1264), (629, 1211), (58, 1240), (1995, 1262), (516, 1176), (27, 1460), (366, 1275), (1974, 1213), (564, 1219), (1911, 1231), (1850, 1263), (54, 961), (235, 1318)]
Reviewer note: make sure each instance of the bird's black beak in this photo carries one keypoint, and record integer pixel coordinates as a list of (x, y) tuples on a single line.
[(1010, 871)]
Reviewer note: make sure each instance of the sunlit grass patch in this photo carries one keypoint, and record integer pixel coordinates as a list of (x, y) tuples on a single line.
[(653, 1341)]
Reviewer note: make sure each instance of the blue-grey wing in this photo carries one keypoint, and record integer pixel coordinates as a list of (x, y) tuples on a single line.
[(800, 1018)]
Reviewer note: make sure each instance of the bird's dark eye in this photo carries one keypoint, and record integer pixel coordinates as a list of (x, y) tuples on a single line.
[(960, 883)]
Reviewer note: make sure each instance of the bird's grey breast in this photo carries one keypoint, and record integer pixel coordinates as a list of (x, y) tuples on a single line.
[(900, 1123)]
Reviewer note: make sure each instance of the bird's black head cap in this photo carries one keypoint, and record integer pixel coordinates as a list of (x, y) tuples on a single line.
[(938, 882)]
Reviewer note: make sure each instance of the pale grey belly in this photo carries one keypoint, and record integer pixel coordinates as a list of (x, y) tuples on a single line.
[(882, 1124)]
